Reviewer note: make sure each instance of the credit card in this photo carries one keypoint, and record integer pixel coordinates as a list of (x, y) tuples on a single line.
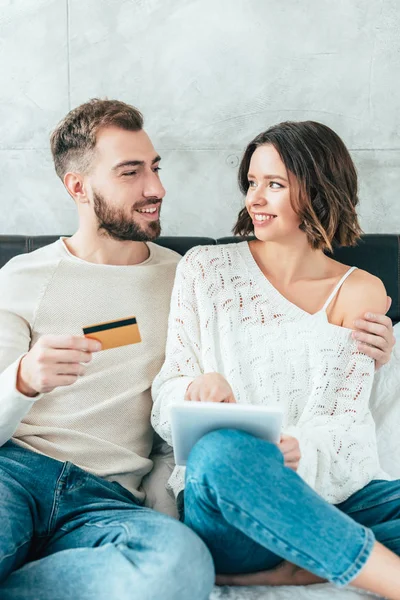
[(114, 334)]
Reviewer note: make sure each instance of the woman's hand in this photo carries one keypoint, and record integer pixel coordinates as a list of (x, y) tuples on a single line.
[(211, 387), (290, 448)]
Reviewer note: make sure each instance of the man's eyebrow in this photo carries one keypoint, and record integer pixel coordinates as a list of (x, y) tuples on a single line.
[(128, 163), (134, 163)]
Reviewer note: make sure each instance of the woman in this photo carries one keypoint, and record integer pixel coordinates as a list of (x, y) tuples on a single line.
[(270, 321)]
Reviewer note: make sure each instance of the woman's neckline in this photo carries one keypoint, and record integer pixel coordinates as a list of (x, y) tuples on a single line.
[(291, 307)]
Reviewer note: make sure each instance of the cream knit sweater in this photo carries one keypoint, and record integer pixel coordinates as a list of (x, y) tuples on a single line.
[(226, 317), (102, 422)]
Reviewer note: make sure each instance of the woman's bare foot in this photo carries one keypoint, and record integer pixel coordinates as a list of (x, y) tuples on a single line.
[(285, 573)]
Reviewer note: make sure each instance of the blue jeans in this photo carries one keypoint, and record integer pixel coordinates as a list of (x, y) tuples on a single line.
[(67, 534), (253, 512)]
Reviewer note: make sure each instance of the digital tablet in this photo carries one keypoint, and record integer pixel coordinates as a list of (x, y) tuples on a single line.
[(191, 420)]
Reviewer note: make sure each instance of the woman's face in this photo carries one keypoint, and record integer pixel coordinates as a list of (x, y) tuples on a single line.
[(271, 188)]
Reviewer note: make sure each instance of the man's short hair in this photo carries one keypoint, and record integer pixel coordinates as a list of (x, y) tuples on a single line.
[(74, 139)]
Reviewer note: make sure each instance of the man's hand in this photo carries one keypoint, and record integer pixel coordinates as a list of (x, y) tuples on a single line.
[(211, 387), (55, 360), (290, 448), (375, 336)]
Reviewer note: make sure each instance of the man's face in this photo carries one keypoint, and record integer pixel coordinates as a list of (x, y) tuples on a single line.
[(124, 186)]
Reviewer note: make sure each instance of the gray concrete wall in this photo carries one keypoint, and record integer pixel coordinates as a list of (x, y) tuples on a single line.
[(208, 75)]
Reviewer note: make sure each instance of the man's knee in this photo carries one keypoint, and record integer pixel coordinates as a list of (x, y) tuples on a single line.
[(192, 567), (182, 566)]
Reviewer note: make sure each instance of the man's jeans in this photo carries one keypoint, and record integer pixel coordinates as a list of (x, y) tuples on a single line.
[(66, 534), (252, 512)]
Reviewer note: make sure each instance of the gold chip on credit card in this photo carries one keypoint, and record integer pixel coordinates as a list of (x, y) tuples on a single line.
[(113, 334)]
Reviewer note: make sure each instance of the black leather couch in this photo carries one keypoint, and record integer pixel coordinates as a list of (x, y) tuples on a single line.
[(378, 254)]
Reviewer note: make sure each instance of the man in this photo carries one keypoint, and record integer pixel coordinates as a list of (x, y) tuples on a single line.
[(75, 421), (80, 525)]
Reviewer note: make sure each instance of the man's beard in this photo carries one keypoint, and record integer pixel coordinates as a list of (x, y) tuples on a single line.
[(115, 223)]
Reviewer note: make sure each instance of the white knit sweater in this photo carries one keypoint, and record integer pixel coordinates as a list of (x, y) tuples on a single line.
[(226, 317)]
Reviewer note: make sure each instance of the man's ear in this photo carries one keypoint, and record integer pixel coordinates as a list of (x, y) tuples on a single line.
[(75, 187), (388, 304)]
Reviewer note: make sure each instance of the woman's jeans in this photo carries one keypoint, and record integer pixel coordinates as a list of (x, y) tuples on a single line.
[(252, 512), (68, 535)]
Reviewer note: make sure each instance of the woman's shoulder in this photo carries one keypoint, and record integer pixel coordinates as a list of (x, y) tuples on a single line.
[(361, 282), (362, 292), (214, 257), (212, 267)]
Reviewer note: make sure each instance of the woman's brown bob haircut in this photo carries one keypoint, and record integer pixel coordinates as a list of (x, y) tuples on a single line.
[(327, 181)]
